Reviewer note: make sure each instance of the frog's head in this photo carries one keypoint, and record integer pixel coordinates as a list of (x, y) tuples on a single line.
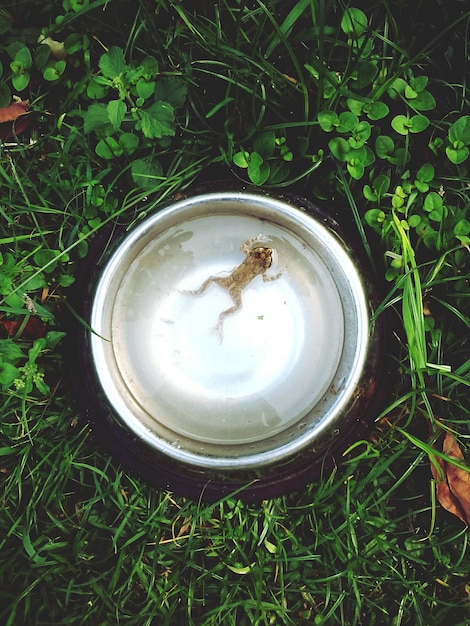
[(262, 256)]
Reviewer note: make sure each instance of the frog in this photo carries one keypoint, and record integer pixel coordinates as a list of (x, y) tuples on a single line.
[(258, 260)]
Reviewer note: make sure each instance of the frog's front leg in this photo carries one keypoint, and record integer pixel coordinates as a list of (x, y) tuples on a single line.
[(247, 246), (267, 279)]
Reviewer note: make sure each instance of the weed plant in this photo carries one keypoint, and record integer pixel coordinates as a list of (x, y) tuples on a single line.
[(364, 108)]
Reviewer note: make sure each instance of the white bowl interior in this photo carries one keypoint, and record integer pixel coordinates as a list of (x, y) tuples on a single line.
[(278, 370)]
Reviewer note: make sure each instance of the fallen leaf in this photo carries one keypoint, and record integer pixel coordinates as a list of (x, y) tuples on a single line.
[(13, 111), (33, 329), (14, 119), (452, 483)]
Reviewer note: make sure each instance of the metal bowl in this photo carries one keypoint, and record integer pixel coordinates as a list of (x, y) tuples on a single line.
[(213, 370)]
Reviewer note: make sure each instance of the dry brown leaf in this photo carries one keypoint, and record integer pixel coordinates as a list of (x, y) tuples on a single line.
[(33, 329), (14, 119), (452, 483), (13, 111)]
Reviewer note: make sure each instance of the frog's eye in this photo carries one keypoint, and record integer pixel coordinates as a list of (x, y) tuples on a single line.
[(260, 252)]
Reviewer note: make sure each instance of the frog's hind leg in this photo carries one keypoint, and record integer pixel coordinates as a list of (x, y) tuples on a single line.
[(233, 309), (207, 283)]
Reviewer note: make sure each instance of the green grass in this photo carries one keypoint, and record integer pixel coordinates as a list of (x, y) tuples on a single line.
[(82, 541)]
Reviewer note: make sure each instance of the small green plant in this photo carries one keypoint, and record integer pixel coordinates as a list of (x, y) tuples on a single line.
[(20, 67), (437, 217), (458, 137), (30, 375), (134, 108), (268, 162), (10, 356), (45, 63)]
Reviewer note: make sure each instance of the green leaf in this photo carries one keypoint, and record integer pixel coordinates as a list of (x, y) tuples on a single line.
[(53, 337), (145, 88), (384, 146), (265, 144), (425, 174), (369, 193), (401, 124), (420, 186), (156, 121), (457, 155), (355, 168), (41, 56), (377, 111), (339, 148), (50, 74), (24, 58), (365, 72), (355, 106), (460, 131), (462, 228), (66, 280), (240, 159), (44, 257), (171, 90), (410, 93), (112, 63), (8, 373), (35, 282), (41, 385), (258, 169), (74, 42), (347, 121), (382, 184), (414, 221), (419, 83), (20, 81), (54, 71), (129, 142), (96, 90), (400, 157), (375, 218), (439, 214), (418, 123), (96, 119), (241, 570), (10, 350), (360, 134), (255, 161), (369, 156), (116, 112), (433, 202), (424, 101), (380, 187), (108, 148), (354, 22), (397, 88), (147, 173), (327, 120), (149, 67)]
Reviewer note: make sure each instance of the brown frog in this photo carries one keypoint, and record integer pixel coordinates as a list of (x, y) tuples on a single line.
[(258, 261)]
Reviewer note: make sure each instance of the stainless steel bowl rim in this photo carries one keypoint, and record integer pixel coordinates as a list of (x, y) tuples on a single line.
[(305, 435)]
